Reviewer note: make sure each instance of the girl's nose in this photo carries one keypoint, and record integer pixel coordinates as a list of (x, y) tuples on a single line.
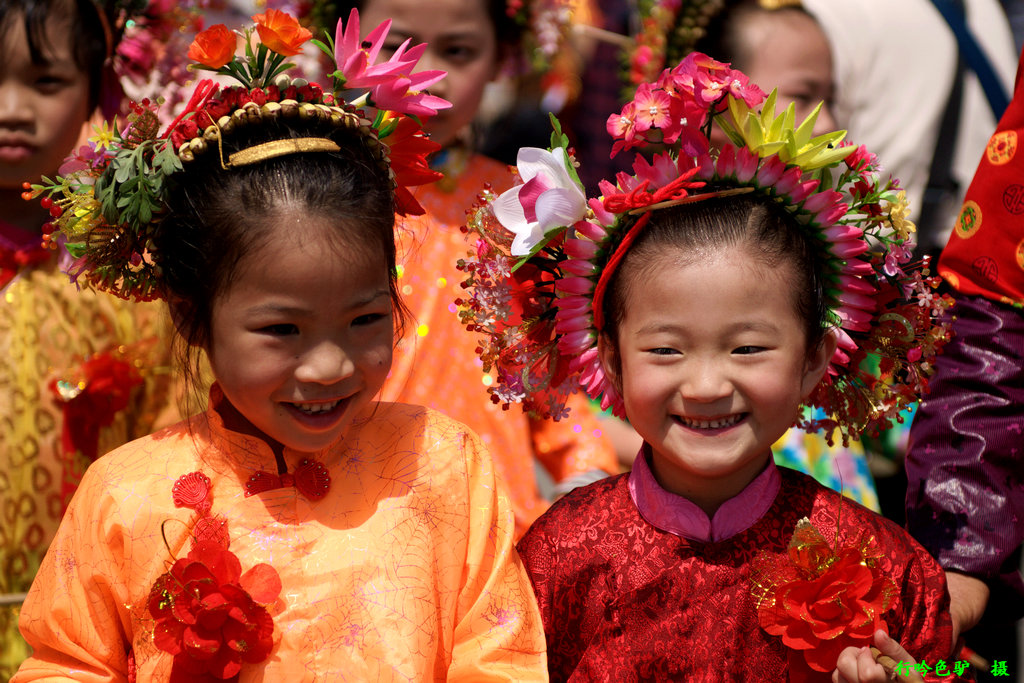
[(704, 383), (325, 363), (13, 108)]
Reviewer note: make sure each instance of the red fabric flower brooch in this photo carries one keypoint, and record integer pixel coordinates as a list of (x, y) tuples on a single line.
[(210, 615), (824, 600)]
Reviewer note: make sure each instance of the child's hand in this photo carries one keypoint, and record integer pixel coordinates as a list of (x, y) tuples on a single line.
[(858, 664)]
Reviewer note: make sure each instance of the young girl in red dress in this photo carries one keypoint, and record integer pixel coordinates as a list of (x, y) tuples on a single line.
[(707, 298)]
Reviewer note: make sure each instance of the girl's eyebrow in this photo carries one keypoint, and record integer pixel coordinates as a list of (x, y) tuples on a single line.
[(455, 34), (743, 326), (285, 309)]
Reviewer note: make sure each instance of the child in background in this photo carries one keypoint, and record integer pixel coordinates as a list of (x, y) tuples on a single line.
[(706, 298), (436, 363), (298, 529), (81, 373)]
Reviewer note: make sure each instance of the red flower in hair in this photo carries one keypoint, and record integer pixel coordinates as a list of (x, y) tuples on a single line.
[(281, 32), (408, 149), (214, 47), (210, 616)]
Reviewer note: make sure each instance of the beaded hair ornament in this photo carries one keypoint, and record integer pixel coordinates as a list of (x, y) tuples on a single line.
[(545, 253), (108, 202)]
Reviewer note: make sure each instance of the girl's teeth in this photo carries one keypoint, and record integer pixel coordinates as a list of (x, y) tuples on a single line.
[(712, 424), (316, 408)]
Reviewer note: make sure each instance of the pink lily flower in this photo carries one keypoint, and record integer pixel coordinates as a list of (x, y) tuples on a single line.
[(405, 94), (357, 63), (548, 199)]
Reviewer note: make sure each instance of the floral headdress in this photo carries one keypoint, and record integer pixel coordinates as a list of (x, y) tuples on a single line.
[(546, 253), (108, 203)]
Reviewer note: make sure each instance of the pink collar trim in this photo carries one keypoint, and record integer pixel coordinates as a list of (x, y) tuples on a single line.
[(677, 515)]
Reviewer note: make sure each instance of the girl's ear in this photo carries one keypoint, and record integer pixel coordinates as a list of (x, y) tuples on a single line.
[(817, 363), (609, 355)]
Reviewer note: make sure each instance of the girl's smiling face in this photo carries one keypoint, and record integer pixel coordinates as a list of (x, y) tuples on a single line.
[(713, 367), (301, 337), (461, 40)]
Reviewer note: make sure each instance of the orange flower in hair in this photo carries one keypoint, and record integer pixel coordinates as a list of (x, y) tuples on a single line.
[(281, 32), (213, 47)]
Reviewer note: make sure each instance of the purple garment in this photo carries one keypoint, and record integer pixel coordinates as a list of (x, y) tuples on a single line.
[(965, 464)]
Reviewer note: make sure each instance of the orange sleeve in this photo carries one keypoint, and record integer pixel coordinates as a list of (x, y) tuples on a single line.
[(498, 633)]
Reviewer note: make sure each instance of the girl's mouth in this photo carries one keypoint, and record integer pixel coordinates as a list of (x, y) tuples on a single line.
[(316, 408), (723, 422)]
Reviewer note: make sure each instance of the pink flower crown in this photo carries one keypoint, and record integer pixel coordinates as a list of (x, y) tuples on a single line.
[(109, 199), (545, 252)]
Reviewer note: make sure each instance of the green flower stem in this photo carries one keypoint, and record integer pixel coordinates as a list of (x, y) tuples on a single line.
[(275, 68)]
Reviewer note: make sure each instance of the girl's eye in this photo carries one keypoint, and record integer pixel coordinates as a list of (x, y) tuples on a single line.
[(460, 53), (369, 318), (662, 351), (281, 330), (745, 350), (50, 82)]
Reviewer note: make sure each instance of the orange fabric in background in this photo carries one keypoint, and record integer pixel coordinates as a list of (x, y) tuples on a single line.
[(436, 364), (404, 571)]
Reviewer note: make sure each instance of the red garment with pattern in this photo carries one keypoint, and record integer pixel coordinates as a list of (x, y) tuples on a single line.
[(623, 600), (985, 252)]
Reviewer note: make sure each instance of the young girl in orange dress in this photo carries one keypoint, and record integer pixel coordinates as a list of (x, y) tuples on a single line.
[(436, 363), (298, 529), (707, 297)]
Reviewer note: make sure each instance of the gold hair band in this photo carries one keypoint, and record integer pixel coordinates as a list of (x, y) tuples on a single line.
[(779, 4), (280, 148)]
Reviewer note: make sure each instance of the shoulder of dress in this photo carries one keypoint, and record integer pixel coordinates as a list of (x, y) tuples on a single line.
[(161, 441), (606, 498)]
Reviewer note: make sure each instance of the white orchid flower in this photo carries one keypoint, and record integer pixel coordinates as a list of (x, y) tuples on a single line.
[(548, 199)]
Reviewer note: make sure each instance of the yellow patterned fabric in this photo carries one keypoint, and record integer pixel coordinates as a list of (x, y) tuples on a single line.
[(404, 571), (47, 330)]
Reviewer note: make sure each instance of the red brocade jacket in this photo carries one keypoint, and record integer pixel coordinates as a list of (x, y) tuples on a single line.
[(623, 600)]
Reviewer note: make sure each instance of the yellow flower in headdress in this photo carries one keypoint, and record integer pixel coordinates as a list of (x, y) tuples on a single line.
[(766, 134), (898, 212), (104, 137)]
